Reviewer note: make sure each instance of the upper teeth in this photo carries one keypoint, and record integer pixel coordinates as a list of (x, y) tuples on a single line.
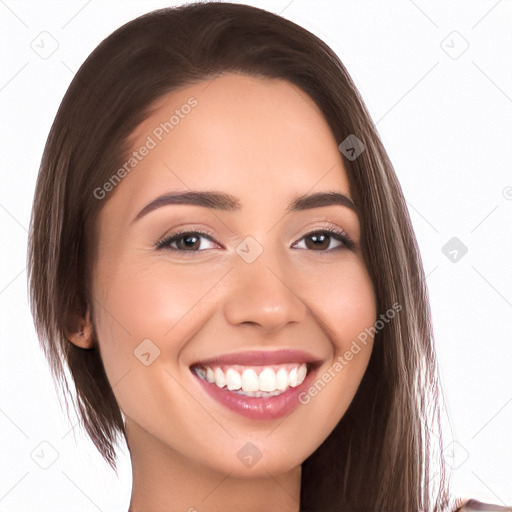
[(254, 379)]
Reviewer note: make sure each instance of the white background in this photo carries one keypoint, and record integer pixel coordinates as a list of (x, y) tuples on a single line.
[(446, 123)]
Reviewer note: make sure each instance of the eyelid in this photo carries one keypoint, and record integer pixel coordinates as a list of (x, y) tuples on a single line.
[(329, 227), (161, 243), (321, 226)]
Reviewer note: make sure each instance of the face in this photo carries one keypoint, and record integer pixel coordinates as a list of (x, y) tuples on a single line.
[(253, 290)]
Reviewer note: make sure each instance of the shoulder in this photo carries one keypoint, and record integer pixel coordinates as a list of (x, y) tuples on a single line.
[(479, 506)]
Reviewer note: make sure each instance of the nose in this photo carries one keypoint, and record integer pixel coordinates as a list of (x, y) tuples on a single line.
[(261, 295)]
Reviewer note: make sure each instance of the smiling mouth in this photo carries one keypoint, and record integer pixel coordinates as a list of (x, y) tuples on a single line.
[(257, 384), (254, 381)]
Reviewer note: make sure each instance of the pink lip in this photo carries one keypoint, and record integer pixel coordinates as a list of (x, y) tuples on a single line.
[(260, 358), (253, 407)]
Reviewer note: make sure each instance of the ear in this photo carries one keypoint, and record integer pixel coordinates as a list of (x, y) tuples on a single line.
[(80, 330)]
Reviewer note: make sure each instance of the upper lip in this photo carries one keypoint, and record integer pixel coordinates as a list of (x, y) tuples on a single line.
[(261, 357)]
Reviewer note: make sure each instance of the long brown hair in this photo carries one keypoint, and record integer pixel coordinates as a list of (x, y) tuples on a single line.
[(386, 452)]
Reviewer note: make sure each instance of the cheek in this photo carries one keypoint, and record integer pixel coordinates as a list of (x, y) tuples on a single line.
[(343, 300), (343, 297), (136, 302), (151, 299)]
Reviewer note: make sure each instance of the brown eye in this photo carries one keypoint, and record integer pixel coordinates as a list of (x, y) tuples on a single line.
[(325, 240), (318, 241), (190, 241)]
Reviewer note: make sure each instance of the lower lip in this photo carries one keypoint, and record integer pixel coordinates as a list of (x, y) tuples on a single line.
[(265, 408)]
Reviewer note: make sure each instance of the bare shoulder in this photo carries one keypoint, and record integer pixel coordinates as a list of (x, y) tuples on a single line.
[(479, 506)]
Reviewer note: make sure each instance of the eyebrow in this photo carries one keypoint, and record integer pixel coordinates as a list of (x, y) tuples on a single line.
[(227, 202)]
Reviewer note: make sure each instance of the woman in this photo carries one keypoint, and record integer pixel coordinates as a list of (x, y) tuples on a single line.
[(221, 254)]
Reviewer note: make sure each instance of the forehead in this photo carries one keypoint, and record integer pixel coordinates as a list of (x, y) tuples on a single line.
[(253, 137)]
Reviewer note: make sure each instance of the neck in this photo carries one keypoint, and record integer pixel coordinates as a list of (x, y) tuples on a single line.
[(165, 480)]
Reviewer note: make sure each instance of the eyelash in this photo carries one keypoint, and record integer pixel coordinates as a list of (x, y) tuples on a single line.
[(337, 234)]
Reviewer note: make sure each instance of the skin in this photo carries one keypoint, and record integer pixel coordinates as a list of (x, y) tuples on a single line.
[(265, 142)]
